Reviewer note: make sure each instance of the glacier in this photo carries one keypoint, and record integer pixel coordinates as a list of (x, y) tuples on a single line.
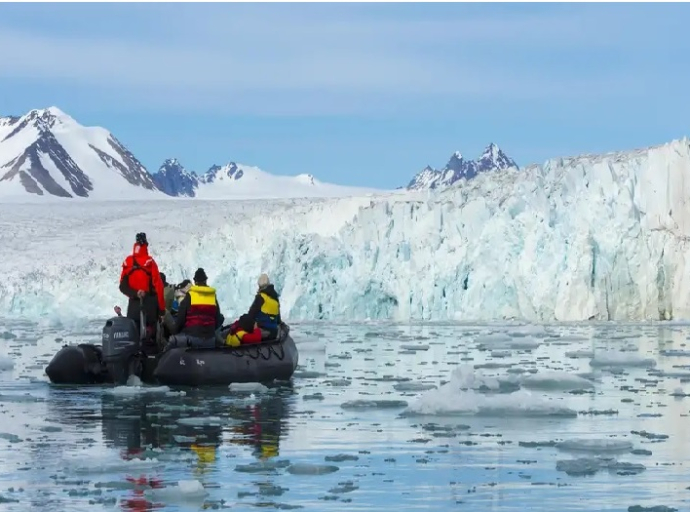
[(589, 237)]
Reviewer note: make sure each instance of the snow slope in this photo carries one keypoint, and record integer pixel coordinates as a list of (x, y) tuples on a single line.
[(47, 154), (240, 181), (602, 237)]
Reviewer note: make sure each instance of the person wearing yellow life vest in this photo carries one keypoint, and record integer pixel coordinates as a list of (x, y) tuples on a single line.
[(263, 318), (199, 313)]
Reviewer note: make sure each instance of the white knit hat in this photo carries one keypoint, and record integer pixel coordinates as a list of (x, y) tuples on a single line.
[(263, 280)]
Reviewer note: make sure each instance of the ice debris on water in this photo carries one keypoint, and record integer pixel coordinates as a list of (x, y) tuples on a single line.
[(590, 466), (373, 404), (261, 466), (595, 445), (98, 460), (135, 390), (678, 392), (555, 380), (675, 353), (342, 457), (459, 396), (184, 490), (413, 386), (311, 469), (255, 387), (657, 508), (623, 359), (414, 347)]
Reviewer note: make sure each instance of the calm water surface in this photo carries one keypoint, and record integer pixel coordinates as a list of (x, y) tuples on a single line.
[(437, 417)]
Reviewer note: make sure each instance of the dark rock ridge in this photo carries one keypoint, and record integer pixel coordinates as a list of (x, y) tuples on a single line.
[(457, 168)]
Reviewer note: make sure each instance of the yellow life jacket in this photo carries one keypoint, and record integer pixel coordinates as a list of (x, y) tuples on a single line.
[(205, 453), (202, 309), (235, 340), (268, 316), (268, 451)]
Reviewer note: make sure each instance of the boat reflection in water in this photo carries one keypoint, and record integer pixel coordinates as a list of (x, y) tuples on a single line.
[(197, 421)]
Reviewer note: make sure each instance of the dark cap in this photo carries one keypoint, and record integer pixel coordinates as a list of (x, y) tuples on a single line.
[(141, 239), (200, 276)]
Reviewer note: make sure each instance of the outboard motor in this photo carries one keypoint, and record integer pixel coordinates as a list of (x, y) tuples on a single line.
[(121, 349)]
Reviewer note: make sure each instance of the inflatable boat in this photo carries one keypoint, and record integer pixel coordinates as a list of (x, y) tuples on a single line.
[(123, 353), (258, 362)]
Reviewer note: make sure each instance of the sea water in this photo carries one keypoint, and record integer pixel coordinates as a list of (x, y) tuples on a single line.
[(500, 417)]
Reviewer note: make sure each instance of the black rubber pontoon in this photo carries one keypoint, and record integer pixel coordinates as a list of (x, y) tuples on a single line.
[(260, 362), (78, 364)]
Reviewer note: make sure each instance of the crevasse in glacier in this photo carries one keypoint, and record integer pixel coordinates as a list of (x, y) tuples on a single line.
[(595, 236)]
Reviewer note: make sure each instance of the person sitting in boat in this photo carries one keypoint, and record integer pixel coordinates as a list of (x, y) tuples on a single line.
[(242, 332), (180, 291), (198, 316), (263, 319)]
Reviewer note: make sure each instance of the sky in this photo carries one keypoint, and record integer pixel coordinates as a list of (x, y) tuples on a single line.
[(355, 94)]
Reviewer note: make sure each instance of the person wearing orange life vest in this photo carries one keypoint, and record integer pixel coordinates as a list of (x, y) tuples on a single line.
[(199, 313), (140, 279), (262, 321)]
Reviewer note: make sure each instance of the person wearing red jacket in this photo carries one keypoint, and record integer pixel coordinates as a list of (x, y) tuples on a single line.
[(140, 279)]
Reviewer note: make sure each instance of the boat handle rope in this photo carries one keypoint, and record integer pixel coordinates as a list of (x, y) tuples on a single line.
[(260, 353)]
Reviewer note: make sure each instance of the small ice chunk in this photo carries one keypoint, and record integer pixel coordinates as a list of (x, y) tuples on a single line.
[(581, 467), (622, 359), (135, 390), (556, 380), (413, 386), (597, 445), (414, 347), (6, 364), (678, 392), (580, 354), (675, 353), (311, 469), (374, 404), (248, 386), (184, 490)]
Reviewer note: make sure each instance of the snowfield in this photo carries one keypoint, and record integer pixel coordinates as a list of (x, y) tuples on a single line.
[(600, 237)]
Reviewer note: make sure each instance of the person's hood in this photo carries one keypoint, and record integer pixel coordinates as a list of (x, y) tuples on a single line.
[(181, 292), (270, 291), (140, 250), (203, 290)]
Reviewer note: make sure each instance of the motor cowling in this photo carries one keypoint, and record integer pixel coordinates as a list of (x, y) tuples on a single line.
[(121, 348)]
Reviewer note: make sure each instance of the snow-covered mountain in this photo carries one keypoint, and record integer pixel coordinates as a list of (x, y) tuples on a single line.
[(594, 236), (173, 179), (236, 181), (457, 168), (47, 153)]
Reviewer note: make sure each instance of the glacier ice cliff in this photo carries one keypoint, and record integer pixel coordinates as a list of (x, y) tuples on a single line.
[(588, 237)]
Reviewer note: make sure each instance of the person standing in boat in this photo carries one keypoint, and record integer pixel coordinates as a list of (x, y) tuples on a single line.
[(199, 313), (169, 296), (141, 282), (168, 292)]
